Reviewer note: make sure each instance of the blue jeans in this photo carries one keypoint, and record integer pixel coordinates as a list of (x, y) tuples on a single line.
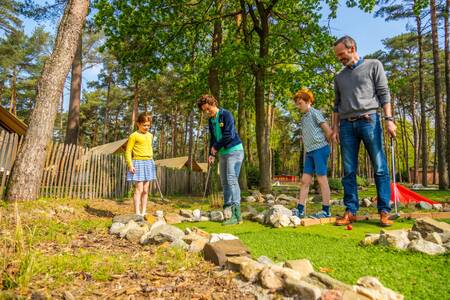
[(351, 135), (230, 167)]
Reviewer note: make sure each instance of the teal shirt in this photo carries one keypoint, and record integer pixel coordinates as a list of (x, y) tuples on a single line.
[(218, 135)]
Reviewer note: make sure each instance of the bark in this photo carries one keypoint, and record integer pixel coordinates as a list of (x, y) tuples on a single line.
[(134, 113), (415, 135), (242, 129), (26, 177), (73, 118), (13, 101), (213, 75), (440, 120), (190, 150), (423, 119), (108, 100), (447, 81)]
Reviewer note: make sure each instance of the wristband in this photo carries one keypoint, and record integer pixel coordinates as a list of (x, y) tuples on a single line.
[(386, 118)]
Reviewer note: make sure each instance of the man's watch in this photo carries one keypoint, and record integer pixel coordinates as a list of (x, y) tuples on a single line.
[(387, 118)]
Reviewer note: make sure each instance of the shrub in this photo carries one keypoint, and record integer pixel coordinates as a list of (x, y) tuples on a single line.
[(335, 184), (360, 181), (252, 176)]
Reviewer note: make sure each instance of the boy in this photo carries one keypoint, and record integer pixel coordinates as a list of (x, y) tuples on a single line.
[(315, 133)]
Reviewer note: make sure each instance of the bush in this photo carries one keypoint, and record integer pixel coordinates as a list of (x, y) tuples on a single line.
[(335, 184)]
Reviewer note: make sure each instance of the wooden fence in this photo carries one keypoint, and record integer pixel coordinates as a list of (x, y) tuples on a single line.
[(72, 171)]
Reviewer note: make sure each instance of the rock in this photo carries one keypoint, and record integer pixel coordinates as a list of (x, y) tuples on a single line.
[(394, 238), (372, 287), (251, 270), (302, 266), (424, 205), (260, 218), (162, 233), (295, 221), (186, 213), (172, 218), (269, 280), (116, 228), (278, 220), (129, 226), (124, 219), (157, 223), (438, 206), (227, 213), (445, 236), (265, 260), (277, 210), (250, 199), (197, 245), (426, 247), (201, 233), (302, 289), (216, 216), (366, 202), (283, 197), (270, 202), (417, 186), (179, 244), (215, 237), (234, 263), (269, 197), (196, 214), (258, 196), (219, 252), (414, 235), (159, 214), (447, 245), (332, 295), (427, 225), (329, 281), (134, 234), (191, 237), (434, 237), (337, 202), (370, 239)]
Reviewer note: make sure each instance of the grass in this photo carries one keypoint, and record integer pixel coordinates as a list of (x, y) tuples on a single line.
[(336, 250)]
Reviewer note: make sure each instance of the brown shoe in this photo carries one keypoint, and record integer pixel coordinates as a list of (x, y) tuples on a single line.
[(348, 218), (384, 219)]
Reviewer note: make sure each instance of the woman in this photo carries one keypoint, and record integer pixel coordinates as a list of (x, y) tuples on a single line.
[(225, 142)]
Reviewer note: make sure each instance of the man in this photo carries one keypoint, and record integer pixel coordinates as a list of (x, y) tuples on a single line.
[(361, 88)]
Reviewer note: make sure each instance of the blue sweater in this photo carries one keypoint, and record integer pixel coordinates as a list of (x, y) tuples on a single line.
[(230, 137)]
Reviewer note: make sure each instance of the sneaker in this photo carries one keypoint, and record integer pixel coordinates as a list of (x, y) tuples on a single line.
[(296, 212), (320, 215)]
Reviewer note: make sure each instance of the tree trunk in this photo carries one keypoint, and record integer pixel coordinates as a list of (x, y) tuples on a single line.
[(447, 81), (440, 120), (13, 102), (73, 119), (213, 75), (134, 113), (242, 129), (415, 134), (26, 176), (259, 71), (106, 120), (423, 118)]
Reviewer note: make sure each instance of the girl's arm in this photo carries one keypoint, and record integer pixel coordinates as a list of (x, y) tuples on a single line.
[(130, 145), (327, 131)]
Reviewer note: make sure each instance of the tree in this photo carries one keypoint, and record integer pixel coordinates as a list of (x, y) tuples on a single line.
[(26, 177), (9, 20), (440, 119)]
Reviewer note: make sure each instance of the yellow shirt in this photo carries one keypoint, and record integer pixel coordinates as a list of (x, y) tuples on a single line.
[(139, 147)]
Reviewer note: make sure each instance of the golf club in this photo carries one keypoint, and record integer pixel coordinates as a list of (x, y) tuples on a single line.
[(207, 180)]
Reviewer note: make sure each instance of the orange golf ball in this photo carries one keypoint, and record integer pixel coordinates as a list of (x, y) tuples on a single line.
[(349, 227)]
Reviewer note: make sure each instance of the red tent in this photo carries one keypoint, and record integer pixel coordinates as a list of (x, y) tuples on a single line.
[(405, 195)]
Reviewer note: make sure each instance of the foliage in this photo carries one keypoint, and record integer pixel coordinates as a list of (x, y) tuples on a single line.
[(335, 184)]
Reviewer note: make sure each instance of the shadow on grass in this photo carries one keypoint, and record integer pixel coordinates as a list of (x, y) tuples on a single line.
[(102, 213)]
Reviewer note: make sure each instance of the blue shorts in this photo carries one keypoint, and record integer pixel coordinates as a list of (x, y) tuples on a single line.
[(316, 161)]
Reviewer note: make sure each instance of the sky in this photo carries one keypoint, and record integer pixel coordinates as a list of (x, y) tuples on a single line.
[(367, 31)]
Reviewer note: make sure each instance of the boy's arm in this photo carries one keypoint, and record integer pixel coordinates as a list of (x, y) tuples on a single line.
[(327, 130)]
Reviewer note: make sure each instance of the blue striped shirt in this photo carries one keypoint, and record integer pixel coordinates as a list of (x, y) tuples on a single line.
[(312, 133)]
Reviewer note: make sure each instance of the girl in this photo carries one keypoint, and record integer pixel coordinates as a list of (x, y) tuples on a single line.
[(141, 167)]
